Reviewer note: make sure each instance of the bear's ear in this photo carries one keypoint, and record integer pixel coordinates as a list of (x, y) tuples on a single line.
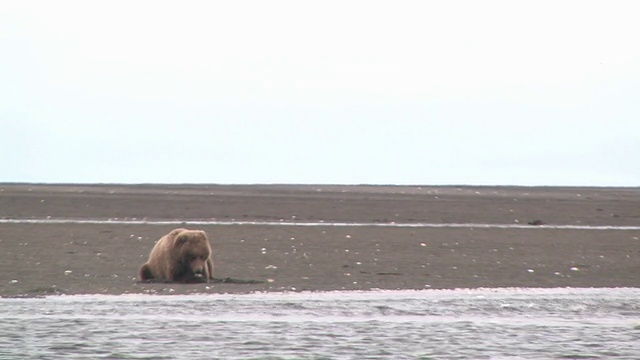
[(180, 240)]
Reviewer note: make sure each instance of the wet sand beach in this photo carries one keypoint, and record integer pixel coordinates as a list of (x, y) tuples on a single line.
[(388, 249)]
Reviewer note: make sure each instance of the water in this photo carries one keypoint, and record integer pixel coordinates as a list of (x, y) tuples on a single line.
[(427, 324), (316, 224)]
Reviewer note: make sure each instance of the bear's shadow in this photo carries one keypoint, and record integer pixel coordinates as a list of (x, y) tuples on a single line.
[(227, 280)]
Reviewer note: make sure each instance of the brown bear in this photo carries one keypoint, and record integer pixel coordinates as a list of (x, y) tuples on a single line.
[(180, 256)]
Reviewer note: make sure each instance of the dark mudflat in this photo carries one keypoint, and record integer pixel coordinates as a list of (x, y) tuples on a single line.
[(45, 259)]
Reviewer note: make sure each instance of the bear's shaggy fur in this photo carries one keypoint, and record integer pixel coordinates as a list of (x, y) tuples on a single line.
[(180, 256)]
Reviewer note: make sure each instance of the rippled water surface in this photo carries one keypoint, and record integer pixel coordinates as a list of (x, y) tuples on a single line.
[(429, 324)]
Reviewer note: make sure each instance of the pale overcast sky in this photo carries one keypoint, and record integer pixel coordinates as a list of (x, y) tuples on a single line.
[(376, 92)]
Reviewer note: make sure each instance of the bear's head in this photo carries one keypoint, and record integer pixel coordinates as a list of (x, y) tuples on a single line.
[(193, 250)]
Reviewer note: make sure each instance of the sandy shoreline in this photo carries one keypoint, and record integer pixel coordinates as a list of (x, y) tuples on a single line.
[(41, 259)]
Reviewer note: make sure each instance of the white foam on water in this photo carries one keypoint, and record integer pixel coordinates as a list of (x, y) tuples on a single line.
[(314, 224), (350, 295)]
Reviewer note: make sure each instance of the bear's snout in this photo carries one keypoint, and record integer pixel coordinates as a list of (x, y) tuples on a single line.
[(198, 267)]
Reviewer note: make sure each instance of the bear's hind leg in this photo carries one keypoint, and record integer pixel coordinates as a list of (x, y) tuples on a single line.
[(145, 273)]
